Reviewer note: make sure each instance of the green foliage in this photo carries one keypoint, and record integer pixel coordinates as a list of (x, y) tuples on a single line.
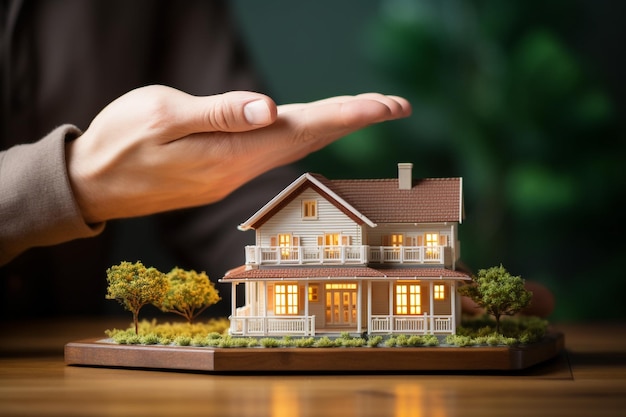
[(374, 341), (514, 330), (501, 99), (268, 342), (182, 340), (498, 292), (190, 293), (324, 342), (304, 342), (134, 286), (412, 340)]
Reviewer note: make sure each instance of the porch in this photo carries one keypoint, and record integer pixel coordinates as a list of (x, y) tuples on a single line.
[(272, 326), (305, 326), (343, 255), (419, 324)]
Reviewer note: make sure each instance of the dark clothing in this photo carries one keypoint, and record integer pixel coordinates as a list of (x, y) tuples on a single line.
[(61, 62)]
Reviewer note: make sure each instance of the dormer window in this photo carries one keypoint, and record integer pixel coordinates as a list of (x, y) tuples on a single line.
[(309, 209)]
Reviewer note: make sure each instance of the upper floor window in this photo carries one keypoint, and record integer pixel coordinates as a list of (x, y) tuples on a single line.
[(309, 209)]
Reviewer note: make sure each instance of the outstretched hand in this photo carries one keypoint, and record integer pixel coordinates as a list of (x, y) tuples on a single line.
[(156, 149)]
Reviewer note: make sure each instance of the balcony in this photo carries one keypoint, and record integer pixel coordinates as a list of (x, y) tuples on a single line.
[(346, 255)]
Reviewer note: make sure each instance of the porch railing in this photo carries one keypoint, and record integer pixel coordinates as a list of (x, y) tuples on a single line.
[(302, 255), (422, 324), (272, 326)]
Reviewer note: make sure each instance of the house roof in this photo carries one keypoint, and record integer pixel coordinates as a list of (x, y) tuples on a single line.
[(374, 201), (303, 274)]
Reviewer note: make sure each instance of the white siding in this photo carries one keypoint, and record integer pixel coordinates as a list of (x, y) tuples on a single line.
[(289, 220)]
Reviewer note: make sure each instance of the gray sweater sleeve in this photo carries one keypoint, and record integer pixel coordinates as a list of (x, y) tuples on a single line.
[(37, 206)]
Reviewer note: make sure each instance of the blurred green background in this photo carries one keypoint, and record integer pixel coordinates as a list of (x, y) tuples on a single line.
[(523, 99)]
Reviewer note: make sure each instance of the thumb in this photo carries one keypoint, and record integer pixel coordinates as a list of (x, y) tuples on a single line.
[(236, 111)]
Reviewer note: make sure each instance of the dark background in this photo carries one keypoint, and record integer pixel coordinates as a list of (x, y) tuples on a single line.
[(523, 99)]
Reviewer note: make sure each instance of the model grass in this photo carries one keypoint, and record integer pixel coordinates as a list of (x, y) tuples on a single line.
[(188, 294)]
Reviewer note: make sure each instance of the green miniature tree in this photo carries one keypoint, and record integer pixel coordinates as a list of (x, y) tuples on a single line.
[(498, 292), (190, 293), (134, 286)]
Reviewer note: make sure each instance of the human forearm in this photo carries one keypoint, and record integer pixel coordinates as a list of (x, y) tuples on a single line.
[(37, 207)]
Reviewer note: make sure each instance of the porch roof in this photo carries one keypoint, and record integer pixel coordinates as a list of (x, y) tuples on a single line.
[(303, 274)]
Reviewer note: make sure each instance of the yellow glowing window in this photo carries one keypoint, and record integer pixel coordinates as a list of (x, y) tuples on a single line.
[(284, 242), (340, 286), (397, 240), (286, 299), (313, 293), (440, 292), (432, 243), (309, 209), (408, 299)]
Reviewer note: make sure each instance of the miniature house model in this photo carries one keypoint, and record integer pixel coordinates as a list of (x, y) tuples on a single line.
[(360, 256)]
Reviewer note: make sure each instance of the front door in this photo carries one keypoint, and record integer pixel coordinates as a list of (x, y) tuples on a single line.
[(341, 304)]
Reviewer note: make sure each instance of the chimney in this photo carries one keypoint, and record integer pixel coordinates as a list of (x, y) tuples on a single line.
[(405, 175)]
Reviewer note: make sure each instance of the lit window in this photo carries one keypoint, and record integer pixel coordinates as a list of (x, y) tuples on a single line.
[(397, 240), (440, 292), (284, 242), (309, 209), (313, 292), (286, 299), (408, 299), (341, 286), (432, 245)]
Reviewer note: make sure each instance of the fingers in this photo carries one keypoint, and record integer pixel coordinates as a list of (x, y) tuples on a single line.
[(398, 106), (236, 111)]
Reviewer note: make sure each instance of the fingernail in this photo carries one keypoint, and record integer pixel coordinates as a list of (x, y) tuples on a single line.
[(257, 113)]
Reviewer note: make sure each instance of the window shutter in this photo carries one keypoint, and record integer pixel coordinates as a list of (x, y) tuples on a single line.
[(273, 241), (345, 240), (420, 241), (270, 297), (443, 240), (320, 241), (296, 241), (410, 241)]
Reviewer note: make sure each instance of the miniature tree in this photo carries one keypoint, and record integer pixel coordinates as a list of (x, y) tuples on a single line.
[(190, 293), (498, 292), (134, 286)]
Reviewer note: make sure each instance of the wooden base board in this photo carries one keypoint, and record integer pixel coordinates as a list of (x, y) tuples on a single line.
[(94, 352)]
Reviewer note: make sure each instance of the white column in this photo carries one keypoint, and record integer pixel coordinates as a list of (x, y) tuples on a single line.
[(432, 306), (369, 307), (306, 308), (391, 305), (233, 299), (453, 305), (359, 305)]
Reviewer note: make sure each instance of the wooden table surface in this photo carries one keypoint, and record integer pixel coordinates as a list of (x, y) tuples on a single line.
[(589, 379)]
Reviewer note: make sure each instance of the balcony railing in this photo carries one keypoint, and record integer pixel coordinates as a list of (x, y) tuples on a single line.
[(423, 324), (272, 326), (305, 326), (341, 255)]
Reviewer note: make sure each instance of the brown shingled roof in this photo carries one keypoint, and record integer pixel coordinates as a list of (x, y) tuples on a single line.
[(300, 273), (380, 200)]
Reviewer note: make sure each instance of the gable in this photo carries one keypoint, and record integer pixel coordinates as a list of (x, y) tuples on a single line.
[(375, 201), (292, 192)]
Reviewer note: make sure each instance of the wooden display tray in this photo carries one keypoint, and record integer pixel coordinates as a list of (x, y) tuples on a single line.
[(100, 352)]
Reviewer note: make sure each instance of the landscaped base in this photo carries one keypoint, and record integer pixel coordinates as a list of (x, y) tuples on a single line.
[(95, 352)]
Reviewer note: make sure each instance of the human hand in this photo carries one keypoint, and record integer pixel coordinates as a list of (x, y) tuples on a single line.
[(156, 149)]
